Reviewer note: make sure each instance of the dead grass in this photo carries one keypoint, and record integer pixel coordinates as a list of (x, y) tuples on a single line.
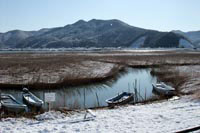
[(76, 68), (185, 79), (171, 76)]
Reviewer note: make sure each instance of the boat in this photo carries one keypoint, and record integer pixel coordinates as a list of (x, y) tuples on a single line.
[(30, 99), (10, 104), (123, 98), (163, 89)]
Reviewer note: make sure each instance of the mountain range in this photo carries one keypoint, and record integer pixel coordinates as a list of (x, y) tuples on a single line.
[(98, 33)]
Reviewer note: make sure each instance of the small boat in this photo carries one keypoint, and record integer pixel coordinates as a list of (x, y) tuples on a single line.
[(10, 104), (123, 98), (163, 89), (30, 99)]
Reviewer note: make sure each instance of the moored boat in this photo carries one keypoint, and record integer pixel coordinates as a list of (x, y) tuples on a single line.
[(163, 89), (30, 99), (10, 104), (123, 98)]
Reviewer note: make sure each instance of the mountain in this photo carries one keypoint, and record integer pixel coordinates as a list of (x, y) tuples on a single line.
[(13, 38), (193, 36), (93, 33)]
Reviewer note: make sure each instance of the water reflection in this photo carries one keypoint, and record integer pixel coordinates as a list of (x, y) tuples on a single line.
[(93, 95)]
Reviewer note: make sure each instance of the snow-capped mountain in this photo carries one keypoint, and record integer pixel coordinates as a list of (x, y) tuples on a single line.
[(93, 33)]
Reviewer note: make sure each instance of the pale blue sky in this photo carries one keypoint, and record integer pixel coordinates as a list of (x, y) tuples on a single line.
[(163, 15)]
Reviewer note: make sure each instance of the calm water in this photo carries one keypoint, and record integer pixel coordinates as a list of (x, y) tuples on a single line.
[(74, 97)]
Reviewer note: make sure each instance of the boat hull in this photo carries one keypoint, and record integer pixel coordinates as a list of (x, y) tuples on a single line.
[(14, 108), (163, 91), (120, 99), (10, 104), (32, 100)]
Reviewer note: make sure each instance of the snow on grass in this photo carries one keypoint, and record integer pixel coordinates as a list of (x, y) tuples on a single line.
[(165, 116), (99, 69), (51, 115)]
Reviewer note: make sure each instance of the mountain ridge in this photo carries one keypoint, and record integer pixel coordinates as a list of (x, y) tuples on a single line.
[(93, 33)]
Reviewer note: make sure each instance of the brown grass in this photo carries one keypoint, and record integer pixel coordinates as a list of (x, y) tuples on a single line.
[(171, 76), (42, 70), (184, 78)]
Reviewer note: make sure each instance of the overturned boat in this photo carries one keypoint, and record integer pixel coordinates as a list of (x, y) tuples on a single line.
[(163, 89), (10, 104), (123, 98), (30, 99)]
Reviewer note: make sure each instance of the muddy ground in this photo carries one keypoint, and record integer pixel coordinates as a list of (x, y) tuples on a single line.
[(181, 68)]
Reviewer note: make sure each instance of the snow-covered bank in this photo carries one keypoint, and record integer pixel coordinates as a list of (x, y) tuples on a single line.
[(166, 116)]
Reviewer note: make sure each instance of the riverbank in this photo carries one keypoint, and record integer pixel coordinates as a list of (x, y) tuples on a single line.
[(163, 116), (185, 79)]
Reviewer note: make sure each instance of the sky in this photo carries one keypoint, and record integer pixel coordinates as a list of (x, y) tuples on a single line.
[(162, 15)]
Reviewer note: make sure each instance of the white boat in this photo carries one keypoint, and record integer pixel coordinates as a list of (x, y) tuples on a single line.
[(163, 89), (30, 99)]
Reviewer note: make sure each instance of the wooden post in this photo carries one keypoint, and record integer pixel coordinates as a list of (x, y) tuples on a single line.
[(49, 108), (136, 93), (128, 88), (48, 83), (188, 130), (145, 95), (139, 88), (84, 97), (97, 99)]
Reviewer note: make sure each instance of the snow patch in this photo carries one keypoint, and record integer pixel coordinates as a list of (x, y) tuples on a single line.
[(138, 43), (51, 115), (184, 43)]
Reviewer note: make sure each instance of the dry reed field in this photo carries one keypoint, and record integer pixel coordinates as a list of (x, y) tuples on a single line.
[(55, 69)]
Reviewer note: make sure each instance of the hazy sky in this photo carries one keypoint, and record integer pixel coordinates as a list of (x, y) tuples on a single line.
[(163, 15)]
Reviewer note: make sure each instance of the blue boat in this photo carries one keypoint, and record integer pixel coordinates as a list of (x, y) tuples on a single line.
[(123, 98), (10, 104)]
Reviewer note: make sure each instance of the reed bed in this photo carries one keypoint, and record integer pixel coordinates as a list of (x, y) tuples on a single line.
[(172, 76), (42, 70)]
